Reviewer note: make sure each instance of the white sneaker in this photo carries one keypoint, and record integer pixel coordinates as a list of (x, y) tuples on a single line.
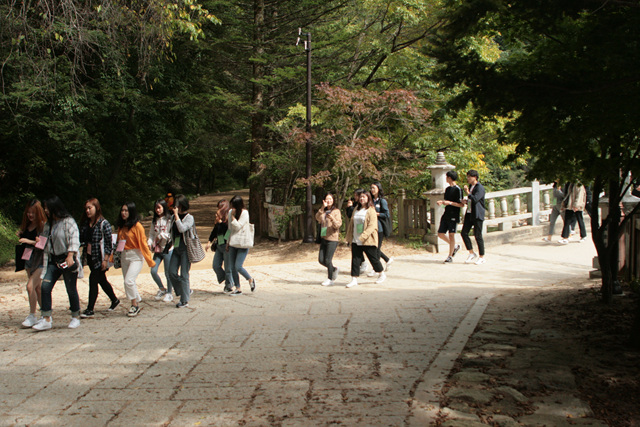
[(327, 282), (371, 273), (352, 283), (30, 321), (160, 295), (480, 261), (471, 258), (546, 239), (167, 297), (584, 239), (75, 322), (386, 268), (43, 325), (382, 277), (563, 241)]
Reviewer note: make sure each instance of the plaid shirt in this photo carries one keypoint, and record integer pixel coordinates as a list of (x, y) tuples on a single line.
[(101, 233)]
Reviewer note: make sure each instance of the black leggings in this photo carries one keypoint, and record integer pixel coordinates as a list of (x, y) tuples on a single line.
[(570, 218), (469, 222), (325, 256), (380, 254), (357, 258), (99, 277)]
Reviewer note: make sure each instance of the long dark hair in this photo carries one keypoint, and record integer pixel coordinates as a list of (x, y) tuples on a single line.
[(380, 192), (356, 195), (56, 208), (181, 202), (133, 216), (96, 204), (40, 217), (165, 210), (238, 204)]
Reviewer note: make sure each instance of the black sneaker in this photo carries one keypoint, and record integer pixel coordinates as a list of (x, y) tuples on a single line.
[(133, 311), (87, 313), (227, 290), (252, 285), (114, 304), (236, 293), (455, 250), (448, 260), (182, 304)]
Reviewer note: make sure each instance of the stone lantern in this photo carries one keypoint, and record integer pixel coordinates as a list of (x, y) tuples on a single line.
[(439, 184)]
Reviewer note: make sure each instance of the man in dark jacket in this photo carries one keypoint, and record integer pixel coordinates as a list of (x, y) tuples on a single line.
[(474, 217)]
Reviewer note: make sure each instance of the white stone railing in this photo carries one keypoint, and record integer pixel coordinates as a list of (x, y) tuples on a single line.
[(508, 208)]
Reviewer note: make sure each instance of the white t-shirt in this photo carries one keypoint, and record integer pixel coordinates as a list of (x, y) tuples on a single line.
[(358, 225)]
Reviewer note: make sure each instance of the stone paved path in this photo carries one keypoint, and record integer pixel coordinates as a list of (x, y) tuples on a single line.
[(292, 353)]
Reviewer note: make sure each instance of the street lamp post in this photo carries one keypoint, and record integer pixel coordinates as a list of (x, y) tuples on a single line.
[(308, 237)]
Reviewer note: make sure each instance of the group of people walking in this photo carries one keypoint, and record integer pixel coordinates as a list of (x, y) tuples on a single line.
[(571, 201), (52, 245)]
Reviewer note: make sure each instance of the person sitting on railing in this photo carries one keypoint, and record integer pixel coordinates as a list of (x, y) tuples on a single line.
[(474, 217)]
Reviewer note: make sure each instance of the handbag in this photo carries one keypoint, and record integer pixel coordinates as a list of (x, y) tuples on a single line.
[(244, 239), (117, 259), (195, 252)]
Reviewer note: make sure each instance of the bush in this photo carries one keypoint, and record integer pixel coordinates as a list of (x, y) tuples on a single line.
[(8, 239)]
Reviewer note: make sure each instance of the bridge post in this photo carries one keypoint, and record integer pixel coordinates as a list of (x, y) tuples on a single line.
[(534, 202)]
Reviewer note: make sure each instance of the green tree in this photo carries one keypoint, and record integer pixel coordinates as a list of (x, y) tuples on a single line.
[(566, 77)]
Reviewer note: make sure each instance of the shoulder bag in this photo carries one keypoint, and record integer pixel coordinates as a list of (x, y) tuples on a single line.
[(195, 252)]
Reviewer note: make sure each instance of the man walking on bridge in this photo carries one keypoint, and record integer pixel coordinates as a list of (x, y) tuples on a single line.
[(474, 217)]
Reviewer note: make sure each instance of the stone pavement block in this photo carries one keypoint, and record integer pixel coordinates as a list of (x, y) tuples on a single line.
[(560, 404), (214, 392), (207, 419), (111, 407), (156, 413), (18, 420), (129, 394), (234, 406)]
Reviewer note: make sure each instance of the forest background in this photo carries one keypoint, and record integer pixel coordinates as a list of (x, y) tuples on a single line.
[(124, 100)]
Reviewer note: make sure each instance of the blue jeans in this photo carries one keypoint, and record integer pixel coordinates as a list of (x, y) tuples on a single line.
[(236, 260), (158, 258), (221, 255), (51, 276), (180, 260)]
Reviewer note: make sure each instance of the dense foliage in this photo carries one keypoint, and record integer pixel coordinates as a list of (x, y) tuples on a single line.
[(566, 76), (127, 99)]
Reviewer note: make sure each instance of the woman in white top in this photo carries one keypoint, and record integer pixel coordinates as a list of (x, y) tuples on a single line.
[(238, 224), (161, 246)]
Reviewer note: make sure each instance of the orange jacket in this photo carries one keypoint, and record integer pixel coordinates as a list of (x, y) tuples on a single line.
[(136, 239)]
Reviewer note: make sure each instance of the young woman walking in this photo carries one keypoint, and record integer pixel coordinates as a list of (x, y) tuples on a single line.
[(183, 222), (238, 225), (60, 259), (330, 221), (382, 210), (95, 237), (363, 237), (162, 248), (33, 221), (218, 239), (135, 252)]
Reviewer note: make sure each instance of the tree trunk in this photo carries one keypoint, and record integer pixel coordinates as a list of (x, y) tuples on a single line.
[(257, 116)]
